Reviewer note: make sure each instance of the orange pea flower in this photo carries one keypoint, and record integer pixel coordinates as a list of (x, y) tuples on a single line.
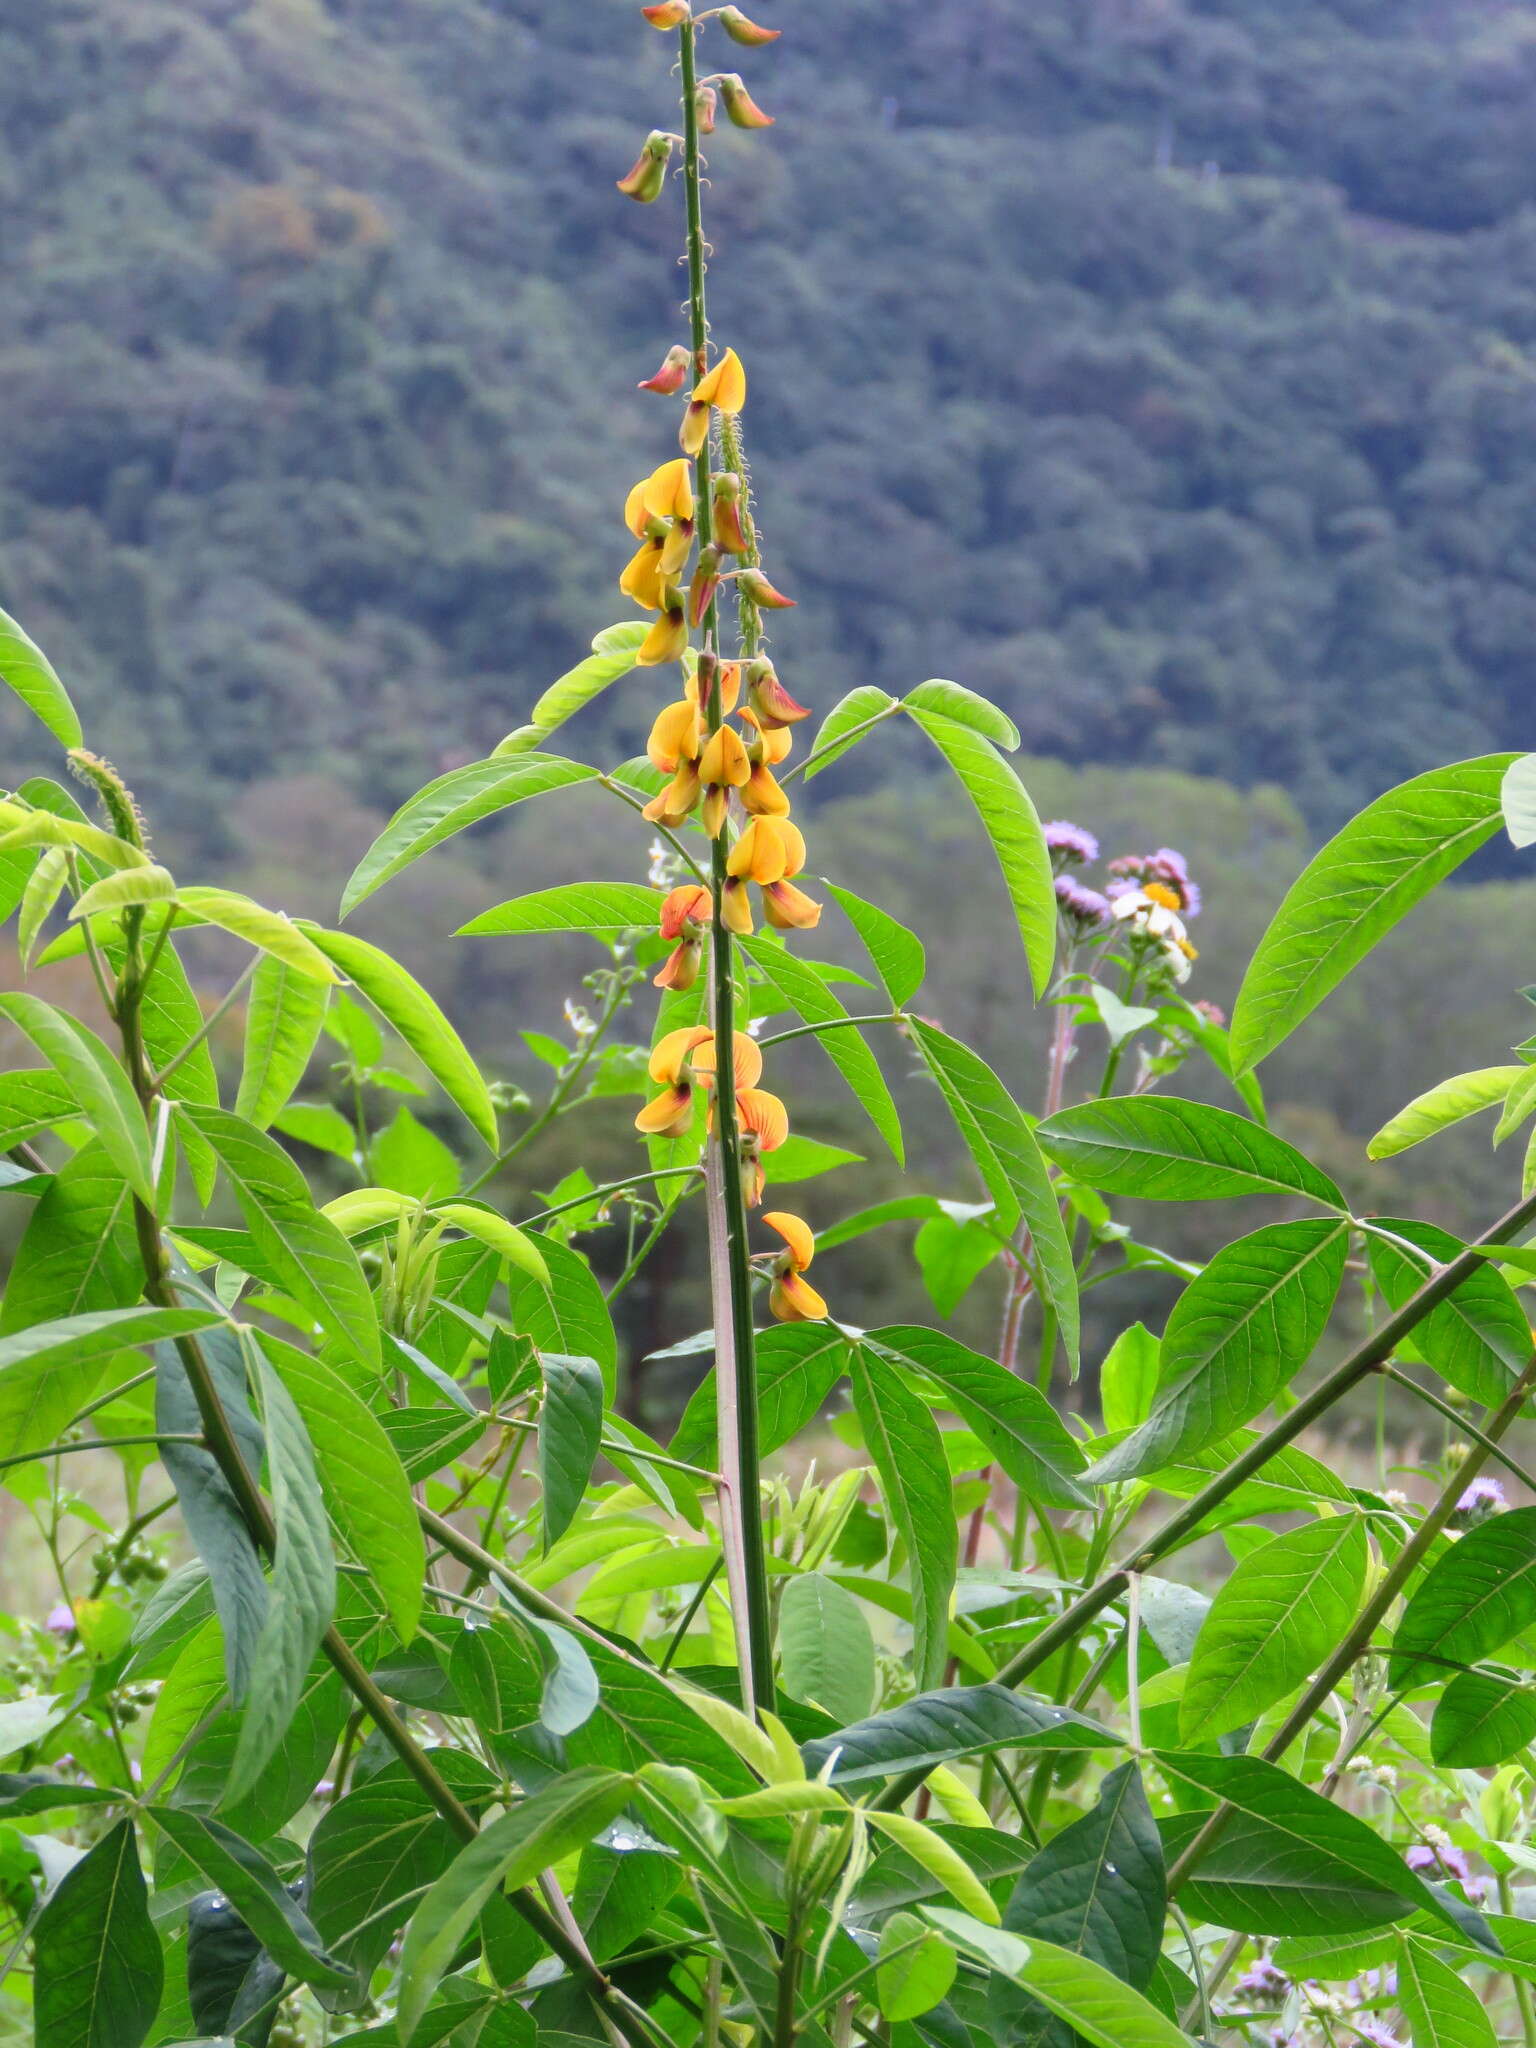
[(670, 1114), (644, 579), (670, 377), (677, 736), (701, 681), (725, 501), (685, 915), (667, 493), (791, 1297), (669, 636), (763, 1124), (670, 14), (770, 700), (769, 849), (789, 909), (725, 385), (736, 907), (746, 1060), (740, 30), (754, 584), (674, 806), (723, 766)]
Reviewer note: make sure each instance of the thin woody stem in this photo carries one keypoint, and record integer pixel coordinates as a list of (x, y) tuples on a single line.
[(733, 1315)]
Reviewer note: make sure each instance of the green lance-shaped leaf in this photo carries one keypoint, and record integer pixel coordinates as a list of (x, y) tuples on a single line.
[(44, 887), (956, 1721), (1518, 1106), (1291, 1862), (942, 1861), (566, 1311), (303, 1583), (1013, 1419), (1474, 1597), (1128, 1377), (573, 907), (283, 1016), (245, 1877), (450, 804), (1012, 824), (1447, 1103), (23, 1793), (564, 1815), (80, 1249), (1275, 1619), (479, 1221), (1441, 2008), (826, 1652), (798, 1364), (570, 1431), (1163, 1150), (28, 674), (46, 826), (908, 1453), (51, 1370), (898, 954), (999, 1139), (98, 1969), (1095, 2005), (1098, 1889), (1238, 1333), (361, 1476), (965, 707), (917, 1966), (851, 719), (125, 889), (270, 930), (804, 992), (1480, 1719), (97, 1082), (402, 1001), (1517, 800), (1479, 1337), (313, 1260), (612, 658), (1352, 893), (31, 1100)]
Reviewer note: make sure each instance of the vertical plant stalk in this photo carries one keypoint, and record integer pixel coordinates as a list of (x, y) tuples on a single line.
[(735, 1365), (733, 1540)]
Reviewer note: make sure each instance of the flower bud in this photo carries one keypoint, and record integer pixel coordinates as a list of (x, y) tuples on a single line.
[(706, 581), (686, 911), (740, 30), (770, 700), (680, 969), (647, 175), (670, 377), (754, 584), (668, 14), (726, 502), (741, 109), (705, 101)]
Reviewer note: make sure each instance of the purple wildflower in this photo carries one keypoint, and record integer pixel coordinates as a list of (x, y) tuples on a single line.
[(60, 1621), (1070, 845), (1213, 1013), (1169, 867), (1378, 2035), (1084, 911), (1439, 1860), (1482, 1498), (1264, 1982)]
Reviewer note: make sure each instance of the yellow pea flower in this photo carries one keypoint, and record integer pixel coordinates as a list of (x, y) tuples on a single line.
[(791, 1297)]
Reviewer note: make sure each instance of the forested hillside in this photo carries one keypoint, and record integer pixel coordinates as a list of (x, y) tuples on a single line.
[(1167, 370)]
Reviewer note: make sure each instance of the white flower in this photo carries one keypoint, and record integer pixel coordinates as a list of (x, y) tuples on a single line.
[(1176, 959), (1150, 916), (579, 1020)]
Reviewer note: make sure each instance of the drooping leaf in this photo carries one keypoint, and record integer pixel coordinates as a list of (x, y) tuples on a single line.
[(957, 1721), (1474, 1597), (573, 907), (1237, 1335), (124, 889), (28, 673), (1007, 1157), (1447, 1103), (267, 929), (798, 1364), (1352, 893), (826, 1652), (317, 1265), (567, 1313), (804, 992), (1275, 1619), (79, 1251), (303, 1582), (98, 1968), (897, 954), (97, 1083), (1480, 1720), (506, 1854), (364, 1483), (49, 1371), (32, 1099), (455, 800), (570, 1430), (283, 1016), (1442, 2010), (917, 1967), (1163, 1150), (612, 658), (1011, 823), (908, 1453), (965, 707), (245, 1877), (480, 1221), (1479, 1337)]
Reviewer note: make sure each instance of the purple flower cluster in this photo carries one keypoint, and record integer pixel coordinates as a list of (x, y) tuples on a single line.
[(1070, 845), (1265, 1983), (1484, 1497), (1438, 1860), (1084, 910), (1166, 866)]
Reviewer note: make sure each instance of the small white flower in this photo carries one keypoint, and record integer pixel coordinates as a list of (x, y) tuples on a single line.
[(659, 874), (1394, 1498), (579, 1020)]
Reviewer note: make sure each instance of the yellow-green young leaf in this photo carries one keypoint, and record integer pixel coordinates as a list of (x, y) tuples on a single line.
[(941, 1861), (898, 954), (573, 907), (283, 1016), (1517, 799), (97, 1966), (775, 1800), (403, 1003), (30, 675), (1275, 1619), (361, 1209), (612, 658), (44, 888), (515, 1245), (804, 991), (149, 884), (850, 720), (1441, 2008), (268, 929), (908, 1453), (965, 707), (1445, 1104), (1518, 1105), (916, 1968), (446, 806), (748, 1740), (1352, 893), (361, 1476), (506, 1855), (96, 1081), (47, 828), (1013, 826)]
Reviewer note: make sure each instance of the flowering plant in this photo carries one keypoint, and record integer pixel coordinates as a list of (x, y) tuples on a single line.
[(422, 1743)]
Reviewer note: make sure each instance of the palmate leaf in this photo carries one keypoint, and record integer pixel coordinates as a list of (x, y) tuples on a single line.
[(805, 993), (1283, 1609), (28, 674), (1479, 1337), (1352, 893), (98, 1966), (1237, 1335), (956, 1721), (908, 1453), (573, 907), (447, 806), (1474, 1597), (1163, 1150), (1447, 1103), (1480, 1720)]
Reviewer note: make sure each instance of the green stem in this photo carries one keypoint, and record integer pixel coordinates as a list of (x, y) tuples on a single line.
[(831, 1024), (560, 1095), (104, 1443), (1461, 1425), (746, 1477), (840, 745), (209, 1023), (1522, 1989), (1367, 1358)]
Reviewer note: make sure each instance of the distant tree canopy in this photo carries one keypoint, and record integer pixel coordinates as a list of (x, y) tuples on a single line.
[(1166, 370)]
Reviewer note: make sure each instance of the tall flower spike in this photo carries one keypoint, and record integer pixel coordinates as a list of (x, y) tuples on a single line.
[(670, 1114), (791, 1297), (647, 175), (669, 636), (672, 374), (723, 767), (770, 700)]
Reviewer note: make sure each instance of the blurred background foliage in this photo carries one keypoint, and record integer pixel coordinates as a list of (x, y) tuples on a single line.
[(1165, 370)]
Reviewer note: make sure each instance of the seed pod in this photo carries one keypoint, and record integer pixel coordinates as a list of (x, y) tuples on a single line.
[(646, 176), (750, 34), (741, 109)]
